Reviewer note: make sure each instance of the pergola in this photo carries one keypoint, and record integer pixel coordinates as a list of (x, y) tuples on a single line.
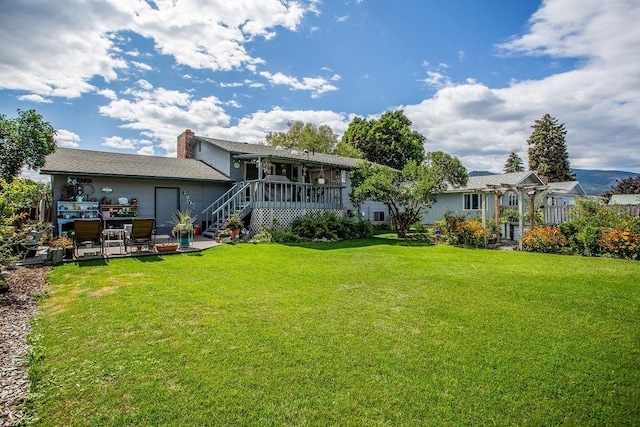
[(499, 190)]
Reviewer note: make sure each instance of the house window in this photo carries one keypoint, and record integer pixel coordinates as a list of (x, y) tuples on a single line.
[(378, 216), (472, 202), (512, 199)]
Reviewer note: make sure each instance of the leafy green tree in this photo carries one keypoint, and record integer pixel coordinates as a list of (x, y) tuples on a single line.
[(513, 164), (303, 136), (407, 192), (25, 140), (548, 154), (387, 141), (19, 195), (347, 150), (628, 185)]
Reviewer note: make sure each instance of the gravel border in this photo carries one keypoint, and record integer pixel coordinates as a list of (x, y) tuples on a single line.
[(17, 306)]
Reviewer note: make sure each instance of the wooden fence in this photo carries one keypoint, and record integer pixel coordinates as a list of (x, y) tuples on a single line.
[(555, 215)]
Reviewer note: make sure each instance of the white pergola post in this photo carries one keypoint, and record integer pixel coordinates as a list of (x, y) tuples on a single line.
[(520, 217), (484, 216)]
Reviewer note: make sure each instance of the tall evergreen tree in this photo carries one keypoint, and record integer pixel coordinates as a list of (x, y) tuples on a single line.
[(513, 164), (548, 153)]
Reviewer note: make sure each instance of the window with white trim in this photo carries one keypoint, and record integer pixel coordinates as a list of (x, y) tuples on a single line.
[(512, 199), (378, 216), (472, 202)]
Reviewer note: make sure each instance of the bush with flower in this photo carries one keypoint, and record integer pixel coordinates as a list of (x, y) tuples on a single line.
[(233, 222), (546, 239), (620, 243)]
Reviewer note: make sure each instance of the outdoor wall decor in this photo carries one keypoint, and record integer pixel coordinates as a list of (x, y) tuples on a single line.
[(107, 190)]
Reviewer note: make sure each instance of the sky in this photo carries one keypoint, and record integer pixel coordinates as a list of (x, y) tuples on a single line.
[(473, 76)]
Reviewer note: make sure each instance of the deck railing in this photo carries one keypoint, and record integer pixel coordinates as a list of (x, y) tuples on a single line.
[(293, 195), (266, 194)]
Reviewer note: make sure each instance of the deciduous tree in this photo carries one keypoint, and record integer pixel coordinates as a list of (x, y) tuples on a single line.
[(25, 140), (628, 185), (305, 136), (407, 192), (548, 153), (387, 141)]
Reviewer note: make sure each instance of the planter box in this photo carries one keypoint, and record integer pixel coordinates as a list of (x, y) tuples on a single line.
[(167, 247)]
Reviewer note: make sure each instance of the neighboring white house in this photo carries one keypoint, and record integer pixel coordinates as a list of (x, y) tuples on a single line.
[(481, 193), (564, 193), (625, 199)]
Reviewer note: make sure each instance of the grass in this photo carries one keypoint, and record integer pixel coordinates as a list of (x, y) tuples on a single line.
[(370, 332)]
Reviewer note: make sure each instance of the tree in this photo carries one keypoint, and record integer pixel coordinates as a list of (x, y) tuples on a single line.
[(386, 141), (407, 192), (513, 164), (548, 154), (305, 136), (25, 140), (629, 185)]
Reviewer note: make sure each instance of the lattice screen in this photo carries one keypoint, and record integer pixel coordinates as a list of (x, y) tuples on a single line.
[(264, 218)]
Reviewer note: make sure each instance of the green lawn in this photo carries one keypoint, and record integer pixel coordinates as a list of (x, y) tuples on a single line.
[(362, 333)]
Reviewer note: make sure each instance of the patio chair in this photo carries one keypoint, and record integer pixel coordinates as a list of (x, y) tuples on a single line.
[(87, 233), (142, 232)]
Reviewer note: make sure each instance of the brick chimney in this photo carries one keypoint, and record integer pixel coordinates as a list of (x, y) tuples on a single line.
[(184, 149)]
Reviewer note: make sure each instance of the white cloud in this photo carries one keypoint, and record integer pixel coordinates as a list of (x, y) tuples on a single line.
[(598, 101), (119, 143), (34, 98), (162, 114), (341, 19), (145, 85), (146, 151), (142, 66), (317, 85), (65, 138), (208, 34), (107, 93)]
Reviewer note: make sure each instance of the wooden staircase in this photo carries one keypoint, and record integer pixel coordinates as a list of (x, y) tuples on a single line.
[(237, 200)]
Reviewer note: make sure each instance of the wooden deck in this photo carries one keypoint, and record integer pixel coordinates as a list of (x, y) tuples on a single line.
[(198, 244)]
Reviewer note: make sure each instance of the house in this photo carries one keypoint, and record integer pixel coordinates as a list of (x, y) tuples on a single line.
[(211, 177), (625, 199), (564, 193), (474, 198), (485, 195)]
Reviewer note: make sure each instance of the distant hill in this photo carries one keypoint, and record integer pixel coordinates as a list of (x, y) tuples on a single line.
[(594, 182)]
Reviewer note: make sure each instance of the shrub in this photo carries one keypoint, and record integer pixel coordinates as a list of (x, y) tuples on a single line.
[(545, 239), (620, 243), (458, 230), (322, 226), (471, 233)]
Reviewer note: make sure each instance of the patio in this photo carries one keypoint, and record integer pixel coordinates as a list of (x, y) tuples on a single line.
[(198, 244)]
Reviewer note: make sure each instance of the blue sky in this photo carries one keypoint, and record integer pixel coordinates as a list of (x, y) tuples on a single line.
[(473, 76)]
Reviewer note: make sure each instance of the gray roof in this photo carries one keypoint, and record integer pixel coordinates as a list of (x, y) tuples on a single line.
[(566, 187), (282, 153), (625, 199), (94, 163), (485, 182)]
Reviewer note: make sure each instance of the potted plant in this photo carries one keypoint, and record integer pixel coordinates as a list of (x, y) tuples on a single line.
[(183, 227), (234, 223), (58, 247)]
